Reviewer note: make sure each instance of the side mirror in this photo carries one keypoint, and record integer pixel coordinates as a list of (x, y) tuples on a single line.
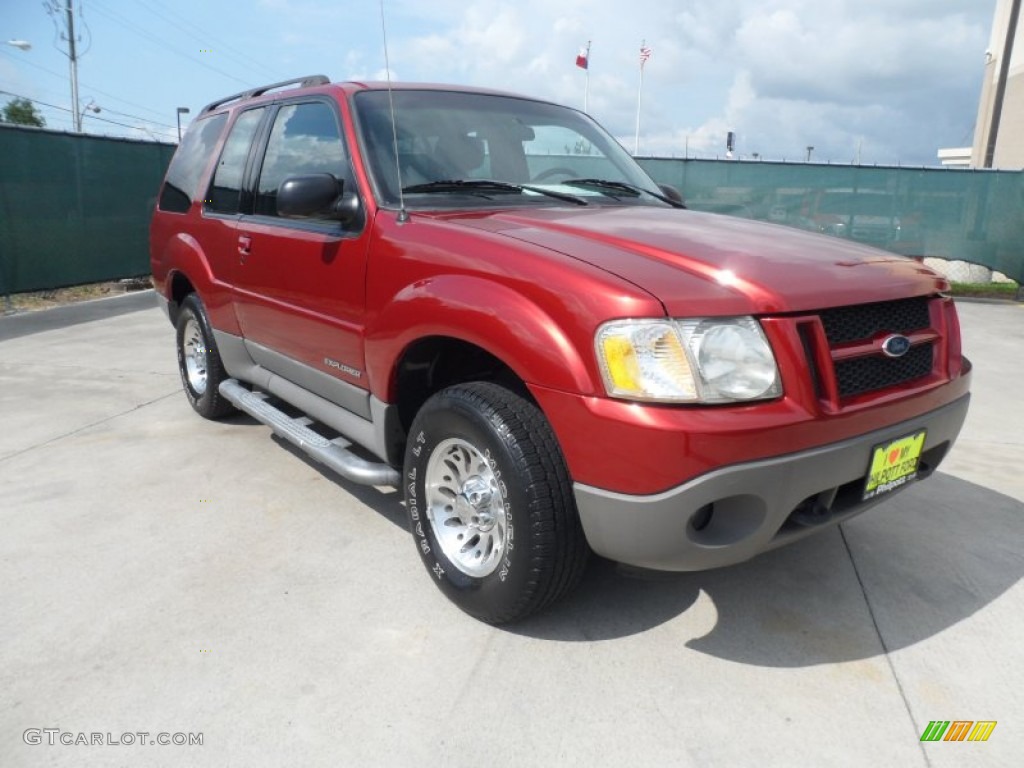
[(672, 193), (317, 193)]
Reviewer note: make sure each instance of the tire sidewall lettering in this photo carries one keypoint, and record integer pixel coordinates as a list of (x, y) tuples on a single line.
[(467, 591)]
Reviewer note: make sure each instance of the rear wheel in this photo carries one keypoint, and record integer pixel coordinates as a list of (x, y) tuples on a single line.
[(199, 362), (490, 503)]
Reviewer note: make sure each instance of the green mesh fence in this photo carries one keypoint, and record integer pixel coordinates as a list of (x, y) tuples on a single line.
[(74, 209), (970, 215)]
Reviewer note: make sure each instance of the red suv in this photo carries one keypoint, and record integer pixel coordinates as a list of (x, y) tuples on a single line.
[(481, 298)]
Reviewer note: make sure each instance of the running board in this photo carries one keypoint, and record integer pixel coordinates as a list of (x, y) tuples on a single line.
[(331, 453)]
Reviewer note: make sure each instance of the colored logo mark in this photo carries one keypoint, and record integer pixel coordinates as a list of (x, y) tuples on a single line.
[(958, 730)]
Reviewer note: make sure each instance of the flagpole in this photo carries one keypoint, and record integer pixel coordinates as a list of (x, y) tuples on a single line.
[(639, 94), (586, 87)]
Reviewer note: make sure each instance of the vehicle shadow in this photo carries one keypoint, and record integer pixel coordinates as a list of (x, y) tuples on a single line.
[(930, 558), (385, 501), (927, 560)]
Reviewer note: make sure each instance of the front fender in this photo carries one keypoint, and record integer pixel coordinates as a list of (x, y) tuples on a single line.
[(484, 313)]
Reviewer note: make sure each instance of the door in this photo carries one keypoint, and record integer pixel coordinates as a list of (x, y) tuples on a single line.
[(300, 282), (223, 202)]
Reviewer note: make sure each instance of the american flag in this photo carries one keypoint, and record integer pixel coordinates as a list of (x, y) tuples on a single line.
[(645, 54)]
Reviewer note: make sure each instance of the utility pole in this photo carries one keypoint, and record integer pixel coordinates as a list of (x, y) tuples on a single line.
[(54, 8), (73, 58)]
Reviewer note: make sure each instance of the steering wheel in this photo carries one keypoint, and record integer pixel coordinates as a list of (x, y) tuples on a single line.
[(567, 172)]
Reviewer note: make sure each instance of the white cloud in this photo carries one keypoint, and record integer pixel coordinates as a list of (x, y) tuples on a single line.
[(901, 78), (897, 79)]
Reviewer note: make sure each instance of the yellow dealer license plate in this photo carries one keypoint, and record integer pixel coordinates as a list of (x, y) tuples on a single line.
[(893, 465)]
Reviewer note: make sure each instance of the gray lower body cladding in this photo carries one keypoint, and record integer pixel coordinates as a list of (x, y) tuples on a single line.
[(734, 513), (344, 408)]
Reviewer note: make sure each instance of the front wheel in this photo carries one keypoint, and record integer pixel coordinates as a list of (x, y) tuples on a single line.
[(490, 503)]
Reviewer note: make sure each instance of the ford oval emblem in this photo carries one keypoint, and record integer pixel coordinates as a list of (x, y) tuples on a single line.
[(896, 345)]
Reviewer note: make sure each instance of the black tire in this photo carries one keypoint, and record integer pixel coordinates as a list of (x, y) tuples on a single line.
[(204, 396), (543, 552)]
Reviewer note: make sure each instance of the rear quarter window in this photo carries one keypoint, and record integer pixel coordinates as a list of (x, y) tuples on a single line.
[(186, 169), (225, 193)]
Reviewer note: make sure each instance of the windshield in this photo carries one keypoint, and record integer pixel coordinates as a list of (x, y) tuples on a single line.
[(535, 146)]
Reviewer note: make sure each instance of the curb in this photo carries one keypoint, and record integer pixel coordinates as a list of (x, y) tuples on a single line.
[(36, 321), (983, 300)]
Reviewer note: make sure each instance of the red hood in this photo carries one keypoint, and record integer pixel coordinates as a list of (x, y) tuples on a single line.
[(701, 263)]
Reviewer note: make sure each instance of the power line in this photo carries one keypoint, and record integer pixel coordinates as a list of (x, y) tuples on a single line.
[(18, 60), (195, 31), (81, 17), (150, 121), (53, 117), (115, 17), (65, 109), (136, 117)]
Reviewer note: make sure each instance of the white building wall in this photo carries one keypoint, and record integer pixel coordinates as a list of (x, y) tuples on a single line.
[(1009, 150)]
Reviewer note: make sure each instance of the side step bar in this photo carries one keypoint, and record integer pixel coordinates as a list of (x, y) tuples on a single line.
[(332, 453)]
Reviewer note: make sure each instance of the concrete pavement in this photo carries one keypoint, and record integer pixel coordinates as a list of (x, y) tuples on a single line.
[(162, 573)]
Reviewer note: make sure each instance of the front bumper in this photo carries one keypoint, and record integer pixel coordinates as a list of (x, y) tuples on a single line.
[(753, 506)]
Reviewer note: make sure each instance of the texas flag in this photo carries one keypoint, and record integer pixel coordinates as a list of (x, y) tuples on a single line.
[(581, 58)]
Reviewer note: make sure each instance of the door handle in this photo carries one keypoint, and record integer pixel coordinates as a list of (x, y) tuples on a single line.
[(244, 246)]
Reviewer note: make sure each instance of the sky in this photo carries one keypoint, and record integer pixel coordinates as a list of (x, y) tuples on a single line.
[(879, 81)]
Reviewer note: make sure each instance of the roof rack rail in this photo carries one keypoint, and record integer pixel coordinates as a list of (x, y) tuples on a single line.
[(302, 82)]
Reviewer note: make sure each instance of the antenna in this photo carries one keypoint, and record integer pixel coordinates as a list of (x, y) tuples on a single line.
[(403, 215)]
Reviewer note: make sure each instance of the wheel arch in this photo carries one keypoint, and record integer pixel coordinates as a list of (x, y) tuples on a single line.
[(433, 363), (506, 325), (178, 287), (191, 273), (464, 338)]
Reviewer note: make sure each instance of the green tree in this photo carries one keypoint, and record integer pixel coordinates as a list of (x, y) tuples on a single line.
[(22, 112)]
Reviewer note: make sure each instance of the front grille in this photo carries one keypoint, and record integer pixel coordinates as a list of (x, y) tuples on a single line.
[(857, 330), (866, 374), (845, 324)]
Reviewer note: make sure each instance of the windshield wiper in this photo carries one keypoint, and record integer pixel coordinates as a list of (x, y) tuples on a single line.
[(482, 186), (620, 186)]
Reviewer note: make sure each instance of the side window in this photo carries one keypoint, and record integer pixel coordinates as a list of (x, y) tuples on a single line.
[(305, 139), (226, 189), (182, 182)]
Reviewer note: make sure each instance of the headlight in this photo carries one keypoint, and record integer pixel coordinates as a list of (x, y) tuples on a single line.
[(644, 360), (710, 360), (733, 357)]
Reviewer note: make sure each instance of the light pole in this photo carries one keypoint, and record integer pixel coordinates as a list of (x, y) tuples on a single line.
[(92, 106), (809, 150), (181, 111)]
